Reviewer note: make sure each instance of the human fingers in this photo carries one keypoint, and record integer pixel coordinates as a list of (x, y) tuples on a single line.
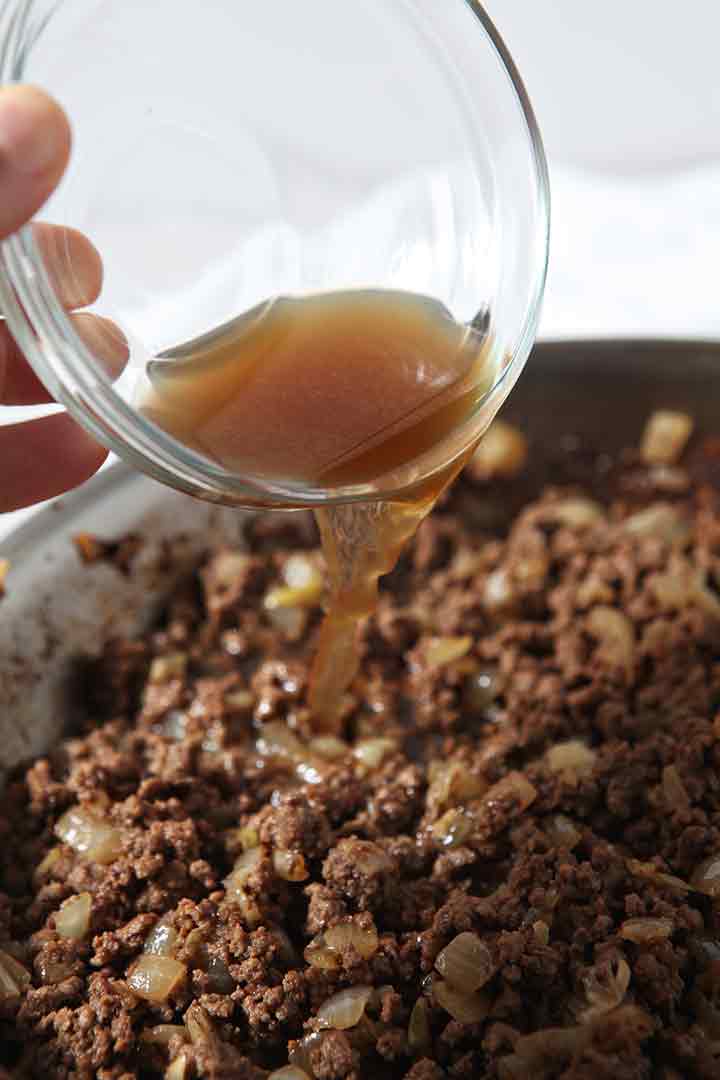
[(34, 150), (19, 385), (43, 458), (72, 262)]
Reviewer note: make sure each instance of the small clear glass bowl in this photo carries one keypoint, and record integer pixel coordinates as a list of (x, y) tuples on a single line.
[(225, 153)]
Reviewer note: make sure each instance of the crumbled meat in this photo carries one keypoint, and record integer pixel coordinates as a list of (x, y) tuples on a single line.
[(270, 880)]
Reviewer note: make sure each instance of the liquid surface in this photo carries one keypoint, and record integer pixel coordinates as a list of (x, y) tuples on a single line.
[(331, 390)]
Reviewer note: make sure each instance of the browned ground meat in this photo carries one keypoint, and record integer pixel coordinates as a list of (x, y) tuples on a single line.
[(529, 773)]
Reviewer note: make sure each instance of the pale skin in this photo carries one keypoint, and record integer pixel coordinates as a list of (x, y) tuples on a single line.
[(44, 457)]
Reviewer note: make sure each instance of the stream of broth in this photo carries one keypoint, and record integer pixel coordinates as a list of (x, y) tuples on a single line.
[(329, 391)]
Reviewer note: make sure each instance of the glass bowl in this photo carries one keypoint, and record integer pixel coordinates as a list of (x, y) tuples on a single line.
[(224, 154)]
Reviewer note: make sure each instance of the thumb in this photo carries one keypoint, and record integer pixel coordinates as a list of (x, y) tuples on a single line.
[(34, 150)]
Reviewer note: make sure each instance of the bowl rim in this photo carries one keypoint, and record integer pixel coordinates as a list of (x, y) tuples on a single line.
[(75, 380)]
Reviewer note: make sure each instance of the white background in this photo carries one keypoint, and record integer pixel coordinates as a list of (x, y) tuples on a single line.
[(627, 94)]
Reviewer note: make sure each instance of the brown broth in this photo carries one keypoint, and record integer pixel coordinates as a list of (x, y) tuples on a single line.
[(332, 390)]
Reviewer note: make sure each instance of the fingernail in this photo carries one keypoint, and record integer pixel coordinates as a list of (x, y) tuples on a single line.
[(33, 130)]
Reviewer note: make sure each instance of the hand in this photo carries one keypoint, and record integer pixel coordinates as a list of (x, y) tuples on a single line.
[(42, 458)]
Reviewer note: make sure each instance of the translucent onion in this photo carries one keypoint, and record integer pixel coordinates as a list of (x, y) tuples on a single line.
[(674, 790), (218, 973), (662, 521), (563, 832), (199, 1026), (419, 1034), (453, 828), (452, 784), (345, 1009), (615, 637), (318, 954), (228, 567), (706, 878), (577, 513), (290, 865), (502, 452), (466, 1008), (371, 752), (665, 437), (45, 867), (497, 593), (54, 971), (466, 963), (164, 669), (572, 759), (329, 747), (14, 978), (541, 930), (245, 866), (303, 585), (439, 651), (162, 939), (177, 1069), (481, 689), (605, 987), (514, 787), (90, 836), (239, 699), (275, 739), (161, 1034), (72, 921), (155, 977), (650, 872), (364, 939), (646, 931), (288, 1072)]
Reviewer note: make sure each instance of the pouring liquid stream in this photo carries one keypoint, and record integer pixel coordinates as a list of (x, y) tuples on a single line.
[(334, 390)]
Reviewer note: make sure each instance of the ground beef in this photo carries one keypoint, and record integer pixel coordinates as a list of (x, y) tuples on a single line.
[(510, 855)]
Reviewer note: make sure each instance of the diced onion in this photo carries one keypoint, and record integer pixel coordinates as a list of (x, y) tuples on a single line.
[(563, 832), (706, 878), (541, 930), (615, 637), (439, 651), (665, 437), (464, 1007), (663, 521), (515, 787), (453, 784), (646, 931), (605, 987), (502, 452), (345, 1009), (319, 955), (245, 866), (364, 939), (419, 1035), (302, 572), (290, 865), (481, 689), (497, 593), (166, 668), (371, 752), (329, 747), (228, 567), (161, 940), (177, 1069), (155, 977), (44, 867), (94, 839), (199, 1025), (239, 699), (651, 873), (275, 739), (453, 828), (674, 790), (72, 921), (288, 1072), (161, 1034), (14, 978), (571, 759), (466, 963), (577, 513)]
